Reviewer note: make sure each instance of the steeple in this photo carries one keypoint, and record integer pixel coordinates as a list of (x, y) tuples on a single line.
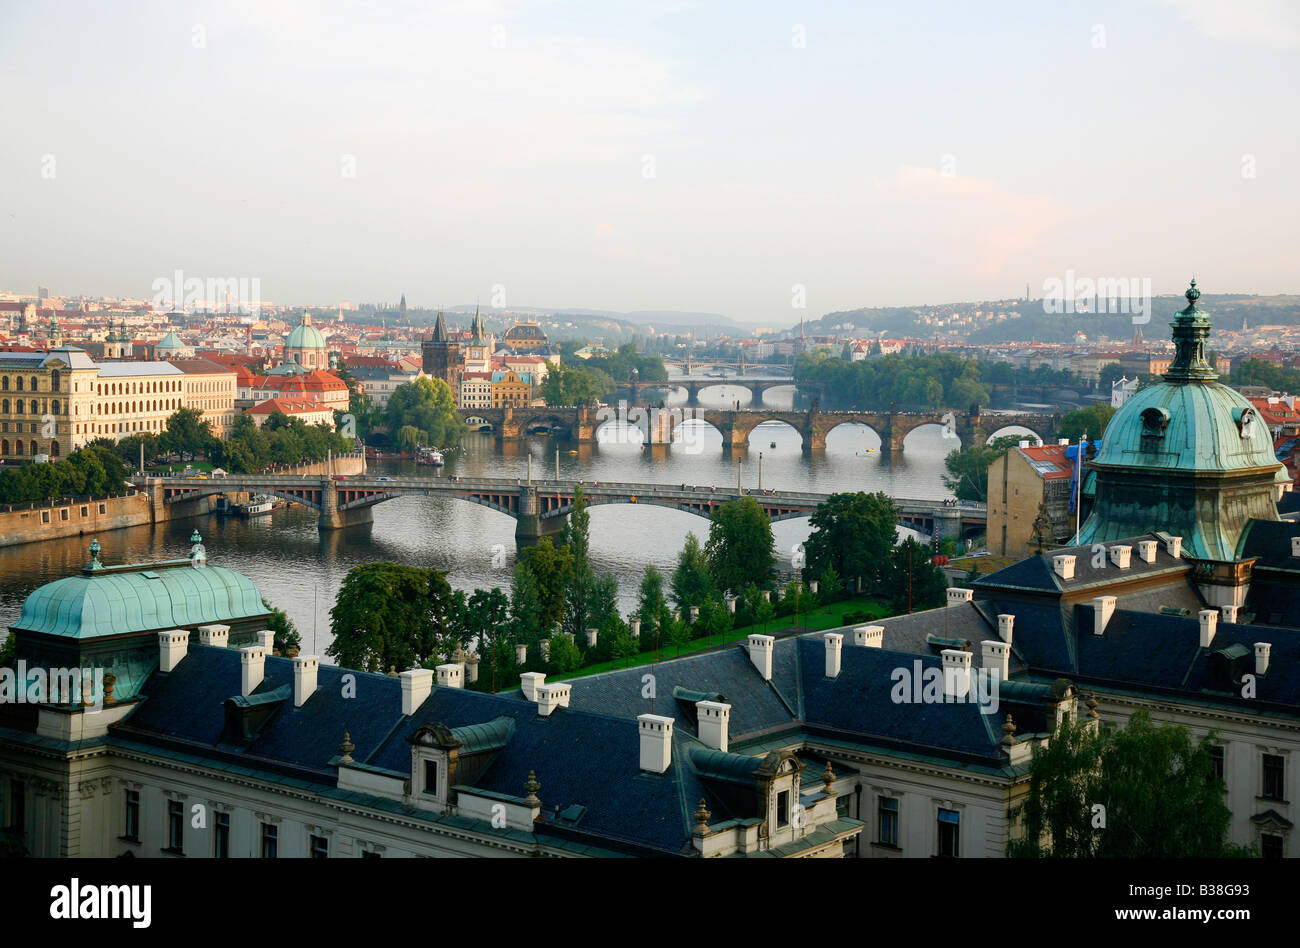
[(1191, 332), (440, 329)]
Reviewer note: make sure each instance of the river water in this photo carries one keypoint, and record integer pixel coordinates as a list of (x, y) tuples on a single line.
[(299, 569)]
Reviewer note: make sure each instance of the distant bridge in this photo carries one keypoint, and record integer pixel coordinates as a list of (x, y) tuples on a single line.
[(756, 384), (659, 425), (540, 507)]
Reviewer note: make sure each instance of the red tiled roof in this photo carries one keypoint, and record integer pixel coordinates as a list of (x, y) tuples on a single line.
[(1053, 454), (288, 406)]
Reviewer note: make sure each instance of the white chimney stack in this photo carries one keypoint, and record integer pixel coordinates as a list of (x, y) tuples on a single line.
[(834, 642), (1261, 657), (252, 668), (1209, 625), (714, 723), (1121, 555), (995, 654), (1063, 565), (760, 653), (266, 639), (869, 636), (1103, 607), (1006, 625), (451, 675), (550, 697), (1175, 547), (529, 682), (1229, 613), (956, 673), (656, 742), (1147, 550), (1062, 442), (417, 685), (172, 647), (1024, 444), (217, 636), (957, 594), (304, 678)]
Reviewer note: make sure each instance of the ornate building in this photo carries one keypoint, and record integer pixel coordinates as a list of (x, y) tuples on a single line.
[(441, 356), (306, 346)]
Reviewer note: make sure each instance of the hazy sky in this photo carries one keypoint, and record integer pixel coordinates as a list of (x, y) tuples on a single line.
[(640, 155)]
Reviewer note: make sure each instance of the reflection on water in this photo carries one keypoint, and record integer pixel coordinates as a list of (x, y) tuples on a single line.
[(300, 569)]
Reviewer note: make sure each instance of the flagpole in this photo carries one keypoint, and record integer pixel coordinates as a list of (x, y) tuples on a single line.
[(1078, 485)]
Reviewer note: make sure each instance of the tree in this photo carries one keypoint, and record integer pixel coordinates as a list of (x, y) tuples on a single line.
[(525, 607), (853, 534), (1091, 420), (1084, 778), (691, 584), (390, 616), (739, 548), (917, 583), (552, 568), (286, 634), (565, 385), (565, 656), (1110, 373), (188, 432), (830, 585), (408, 436), (968, 468), (575, 537), (487, 620), (714, 619), (653, 609), (426, 404)]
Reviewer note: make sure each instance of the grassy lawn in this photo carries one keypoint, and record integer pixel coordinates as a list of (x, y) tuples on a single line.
[(823, 617), (203, 467), (985, 564)]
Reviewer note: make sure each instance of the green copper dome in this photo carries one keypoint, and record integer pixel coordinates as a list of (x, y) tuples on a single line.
[(305, 336), (170, 341), (1186, 455), (116, 600)]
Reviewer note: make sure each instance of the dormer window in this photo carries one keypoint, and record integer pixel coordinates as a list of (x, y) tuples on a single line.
[(1245, 418), (1154, 422)]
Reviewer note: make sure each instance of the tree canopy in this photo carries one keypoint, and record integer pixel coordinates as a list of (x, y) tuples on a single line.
[(1090, 420), (391, 616), (968, 468), (567, 385), (428, 406), (853, 534), (739, 548)]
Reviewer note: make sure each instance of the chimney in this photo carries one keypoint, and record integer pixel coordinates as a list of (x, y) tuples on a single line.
[(869, 636), (1063, 565), (714, 721), (1147, 550), (1062, 442), (266, 639), (760, 653), (1261, 657), (172, 647), (252, 668), (217, 636), (550, 697), (957, 594), (656, 742), (417, 685), (304, 678), (1175, 547), (956, 673), (1209, 625), (1024, 444), (995, 654), (1120, 555), (1295, 546), (1006, 625), (1103, 607), (834, 642), (529, 682), (451, 675), (1229, 613)]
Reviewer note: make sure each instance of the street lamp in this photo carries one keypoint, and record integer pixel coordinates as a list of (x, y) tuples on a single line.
[(760, 472)]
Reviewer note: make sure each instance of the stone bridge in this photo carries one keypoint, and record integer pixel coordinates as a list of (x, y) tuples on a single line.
[(540, 507), (756, 384), (659, 425)]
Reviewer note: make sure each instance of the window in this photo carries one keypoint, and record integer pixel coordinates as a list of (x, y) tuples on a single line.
[(888, 819), (320, 847), (949, 832), (132, 831), (221, 848), (783, 808), (1216, 762), (175, 826), (270, 840), (431, 776), (1273, 774), (1270, 845)]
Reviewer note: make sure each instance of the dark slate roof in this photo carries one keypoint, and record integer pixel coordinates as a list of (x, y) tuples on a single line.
[(1035, 572), (908, 633), (1270, 541), (1290, 503)]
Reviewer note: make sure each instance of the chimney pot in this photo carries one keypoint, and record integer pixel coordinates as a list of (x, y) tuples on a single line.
[(1147, 550), (656, 742), (869, 636), (1175, 547), (252, 668), (451, 675), (1209, 625), (217, 636), (714, 722), (760, 653), (172, 647), (417, 685), (529, 682), (266, 639), (1295, 546), (834, 642), (996, 654), (956, 673), (1121, 555), (958, 594), (1063, 565), (1103, 607), (1006, 625), (305, 669), (1230, 613), (552, 696), (1261, 657)]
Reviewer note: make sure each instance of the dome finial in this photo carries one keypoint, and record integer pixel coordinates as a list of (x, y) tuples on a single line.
[(1193, 294)]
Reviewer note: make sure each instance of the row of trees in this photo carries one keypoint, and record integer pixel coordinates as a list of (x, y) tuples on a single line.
[(94, 470), (280, 440), (570, 385), (423, 412), (1259, 372)]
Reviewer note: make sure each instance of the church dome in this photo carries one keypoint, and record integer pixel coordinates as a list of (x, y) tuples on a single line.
[(305, 336), (171, 341)]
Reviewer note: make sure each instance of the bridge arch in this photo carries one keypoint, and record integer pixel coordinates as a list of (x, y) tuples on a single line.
[(933, 432), (858, 435), (1016, 429)]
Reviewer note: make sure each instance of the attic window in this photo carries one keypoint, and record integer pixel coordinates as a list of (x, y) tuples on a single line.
[(1154, 422), (150, 574)]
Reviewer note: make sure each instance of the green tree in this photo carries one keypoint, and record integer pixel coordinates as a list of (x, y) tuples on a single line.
[(691, 584), (188, 432), (1090, 420), (653, 609), (426, 404), (390, 616), (739, 548), (552, 568), (575, 537), (830, 585), (1082, 769), (409, 436), (565, 656), (286, 634), (968, 469), (917, 583), (525, 607), (852, 533), (565, 385)]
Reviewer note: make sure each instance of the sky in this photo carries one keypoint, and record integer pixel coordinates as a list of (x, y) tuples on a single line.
[(764, 161)]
